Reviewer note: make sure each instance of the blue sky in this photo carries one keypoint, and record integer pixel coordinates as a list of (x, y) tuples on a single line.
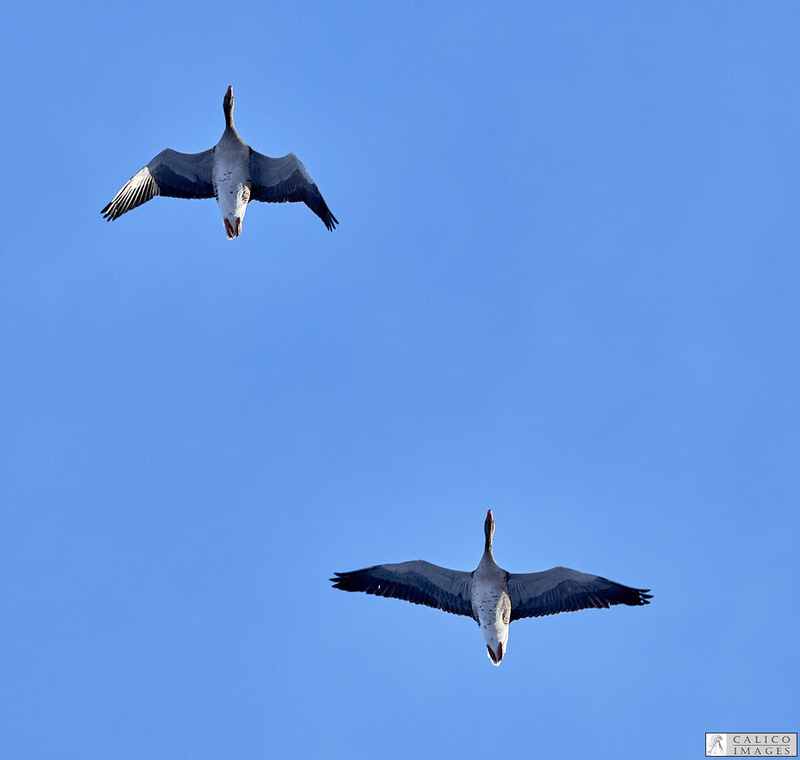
[(564, 287)]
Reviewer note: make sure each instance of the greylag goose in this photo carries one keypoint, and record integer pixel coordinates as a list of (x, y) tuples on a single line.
[(231, 171), (491, 596)]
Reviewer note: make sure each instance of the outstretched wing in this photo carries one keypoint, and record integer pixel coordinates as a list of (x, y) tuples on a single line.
[(563, 590), (418, 582), (177, 175), (285, 180)]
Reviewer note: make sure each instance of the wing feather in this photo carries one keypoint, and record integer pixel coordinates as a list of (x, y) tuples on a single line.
[(563, 590), (170, 173), (418, 582), (285, 180)]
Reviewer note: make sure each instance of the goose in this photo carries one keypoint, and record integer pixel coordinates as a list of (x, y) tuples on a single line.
[(491, 596), (231, 171)]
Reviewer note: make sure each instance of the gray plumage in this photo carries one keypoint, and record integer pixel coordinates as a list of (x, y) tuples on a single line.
[(490, 595), (231, 171)]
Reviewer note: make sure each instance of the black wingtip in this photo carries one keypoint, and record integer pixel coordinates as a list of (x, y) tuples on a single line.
[(109, 213), (338, 579)]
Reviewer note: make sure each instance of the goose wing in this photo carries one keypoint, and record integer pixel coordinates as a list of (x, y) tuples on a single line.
[(418, 582), (563, 590), (177, 175), (285, 180)]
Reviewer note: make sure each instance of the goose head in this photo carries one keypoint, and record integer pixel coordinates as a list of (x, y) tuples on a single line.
[(488, 529), (227, 106)]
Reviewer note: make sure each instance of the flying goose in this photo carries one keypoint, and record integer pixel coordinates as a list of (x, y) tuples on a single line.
[(491, 596), (231, 171)]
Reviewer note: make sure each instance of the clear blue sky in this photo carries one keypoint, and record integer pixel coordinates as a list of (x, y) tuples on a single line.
[(565, 287)]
